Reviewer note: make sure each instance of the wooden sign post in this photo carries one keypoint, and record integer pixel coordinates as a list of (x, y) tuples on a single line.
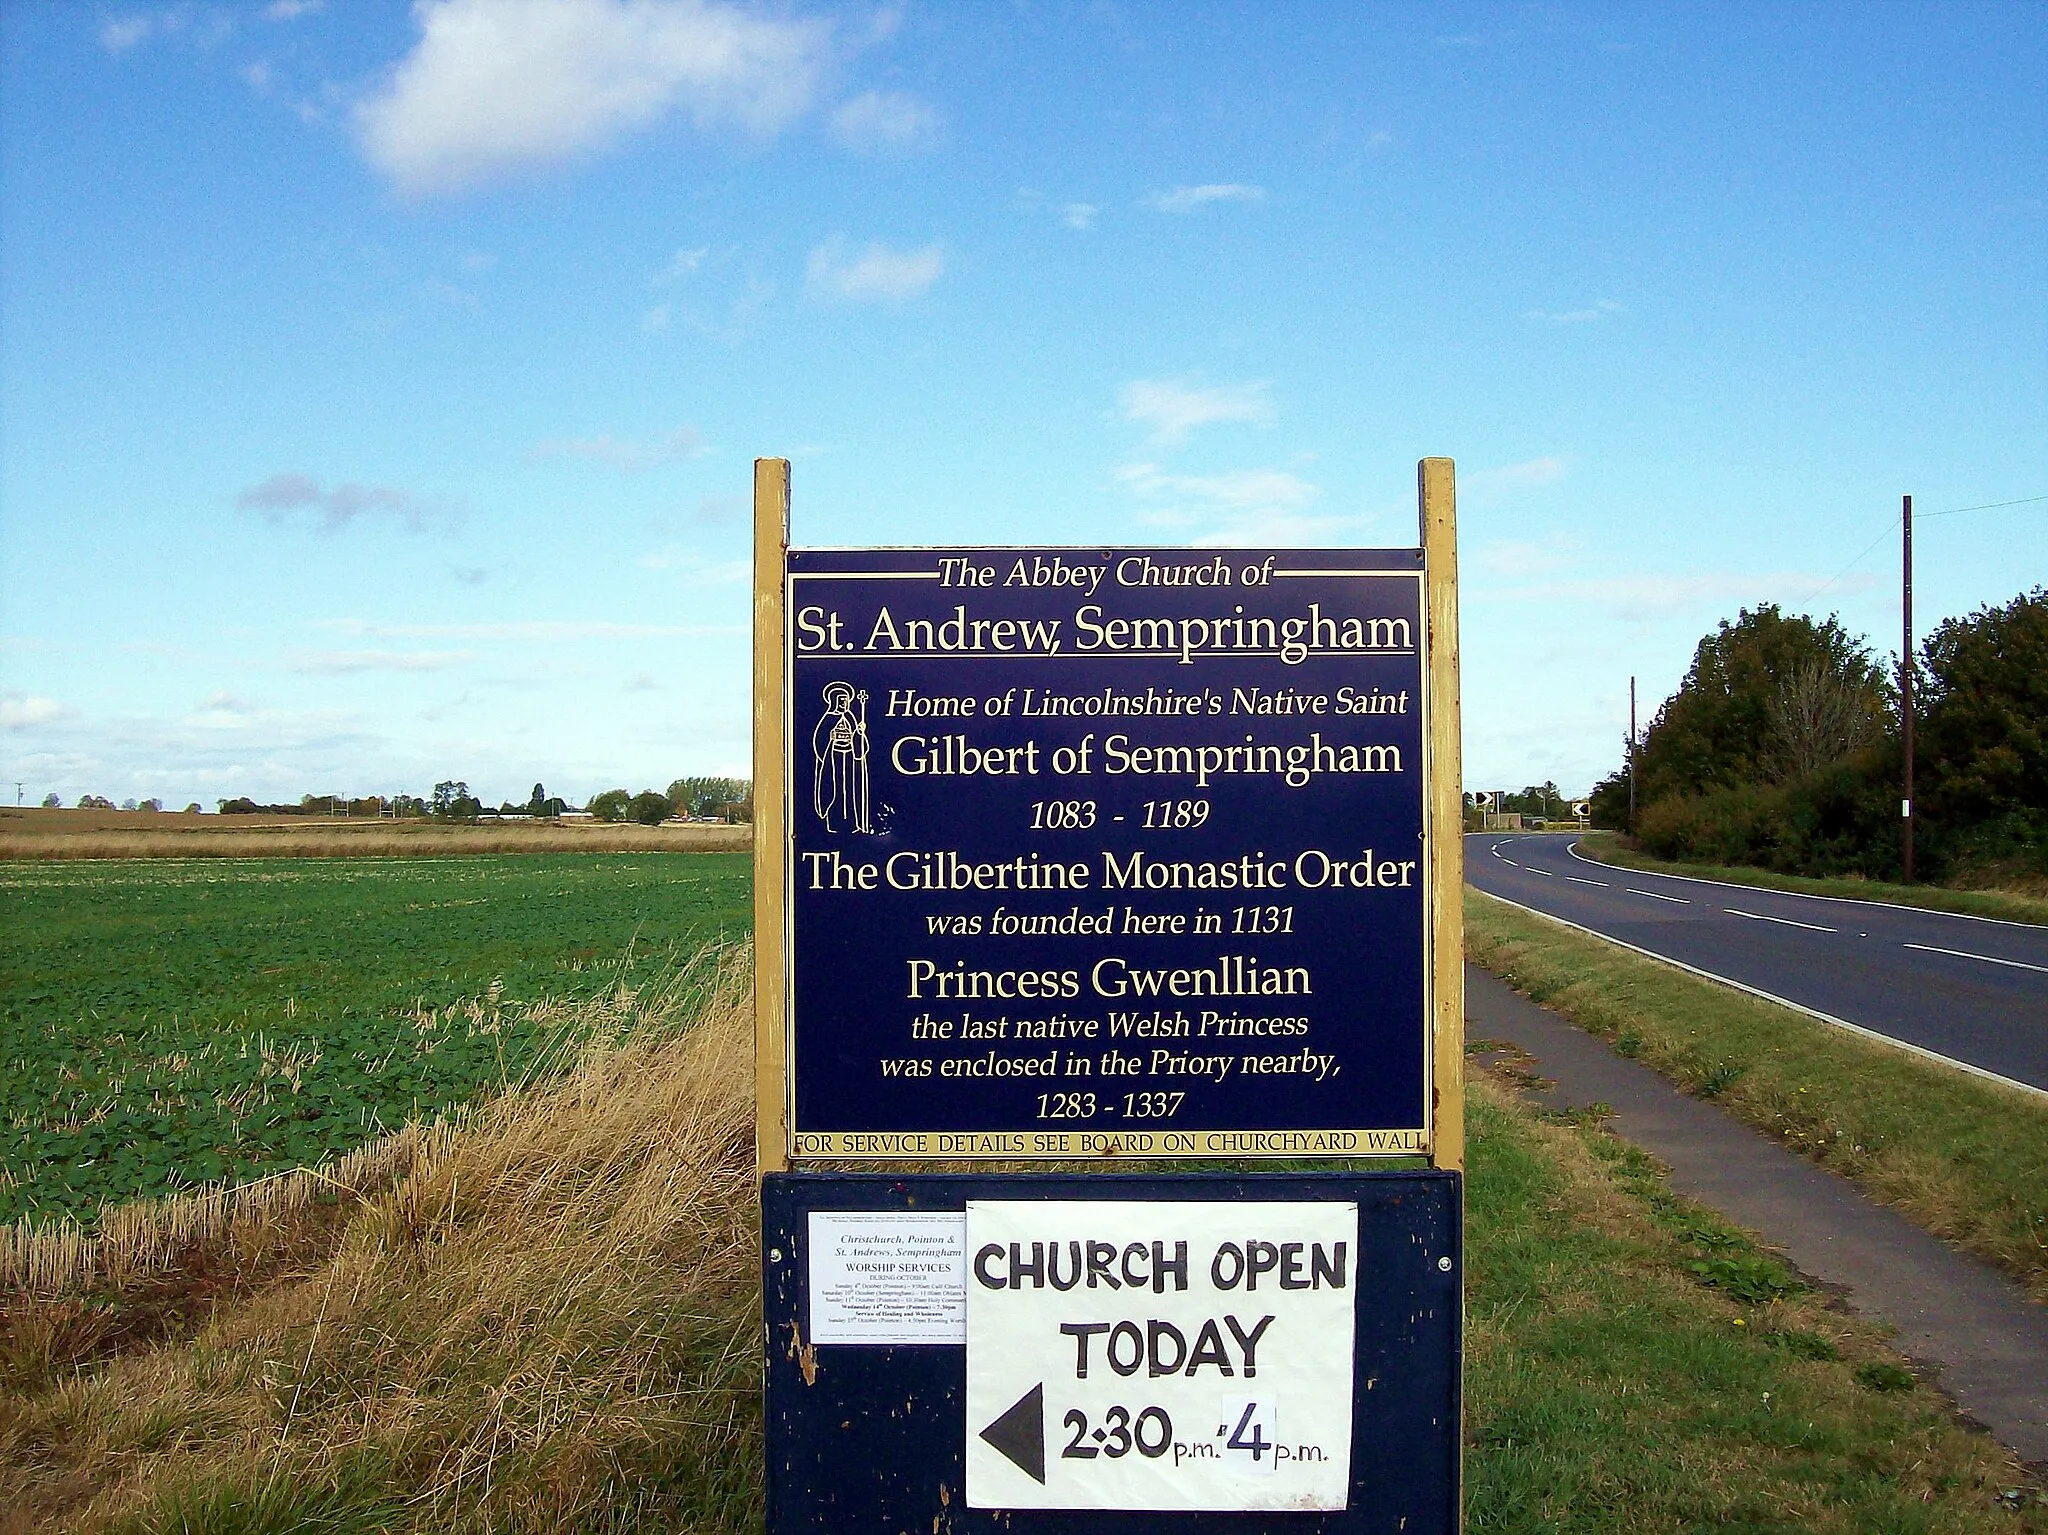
[(771, 809), (1437, 498)]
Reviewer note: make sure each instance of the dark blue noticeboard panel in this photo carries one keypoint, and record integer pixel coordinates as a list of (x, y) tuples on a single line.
[(1107, 851), (874, 1438)]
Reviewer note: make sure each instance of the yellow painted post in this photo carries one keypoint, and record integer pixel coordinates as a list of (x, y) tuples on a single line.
[(771, 549), (1437, 486)]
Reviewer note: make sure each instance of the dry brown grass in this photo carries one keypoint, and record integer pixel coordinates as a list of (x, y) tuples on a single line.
[(529, 1312), (62, 834), (56, 1261)]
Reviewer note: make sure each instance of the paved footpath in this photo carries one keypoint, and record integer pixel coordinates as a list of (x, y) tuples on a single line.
[(1954, 1315)]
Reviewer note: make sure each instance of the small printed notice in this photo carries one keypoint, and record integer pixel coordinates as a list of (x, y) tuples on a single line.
[(1169, 1356), (882, 1277)]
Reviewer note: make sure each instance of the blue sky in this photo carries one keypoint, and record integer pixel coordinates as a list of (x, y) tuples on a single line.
[(379, 383)]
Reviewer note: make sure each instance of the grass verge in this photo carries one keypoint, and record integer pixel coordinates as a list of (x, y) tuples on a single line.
[(1964, 1158), (551, 1324), (1633, 1363), (2006, 905)]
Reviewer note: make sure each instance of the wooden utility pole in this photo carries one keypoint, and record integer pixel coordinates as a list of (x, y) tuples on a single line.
[(1906, 699), (1631, 755)]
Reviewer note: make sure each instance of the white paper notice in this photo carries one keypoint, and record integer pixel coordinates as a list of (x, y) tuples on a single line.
[(888, 1276), (1167, 1355)]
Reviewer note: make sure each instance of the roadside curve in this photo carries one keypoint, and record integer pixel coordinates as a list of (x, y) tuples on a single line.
[(1969, 991)]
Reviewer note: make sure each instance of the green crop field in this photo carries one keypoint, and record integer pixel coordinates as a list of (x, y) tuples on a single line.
[(166, 1023)]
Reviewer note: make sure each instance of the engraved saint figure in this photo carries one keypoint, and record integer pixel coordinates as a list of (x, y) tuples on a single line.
[(839, 747)]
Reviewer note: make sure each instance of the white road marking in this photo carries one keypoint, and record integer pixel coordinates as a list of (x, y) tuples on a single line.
[(1678, 899), (1757, 916), (1989, 959), (1532, 869), (1572, 851), (1771, 996), (1509, 861), (1577, 881)]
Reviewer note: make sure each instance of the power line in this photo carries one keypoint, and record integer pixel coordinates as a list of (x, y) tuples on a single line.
[(1986, 507), (1893, 526), (1889, 529)]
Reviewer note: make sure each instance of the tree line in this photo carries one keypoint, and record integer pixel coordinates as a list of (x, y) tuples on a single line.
[(1783, 748), (697, 798)]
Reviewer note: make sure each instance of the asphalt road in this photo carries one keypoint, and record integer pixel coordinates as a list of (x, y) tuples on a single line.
[(1971, 990)]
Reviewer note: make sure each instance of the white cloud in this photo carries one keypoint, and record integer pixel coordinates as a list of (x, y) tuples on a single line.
[(1493, 484), (1075, 215), (225, 711), (203, 26), (1518, 557), (884, 122), (1174, 409), (18, 711), (1244, 506), (285, 493), (684, 263), (1187, 199), (333, 663), (536, 629), (1598, 310), (884, 21), (495, 87), (452, 294), (1638, 597), (694, 568), (713, 297), (292, 10), (124, 32), (879, 274), (1238, 489), (623, 454), (1379, 140)]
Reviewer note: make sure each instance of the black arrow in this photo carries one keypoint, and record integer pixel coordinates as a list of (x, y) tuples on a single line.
[(1020, 1433)]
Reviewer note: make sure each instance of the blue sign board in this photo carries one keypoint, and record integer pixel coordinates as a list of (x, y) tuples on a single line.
[(1106, 851)]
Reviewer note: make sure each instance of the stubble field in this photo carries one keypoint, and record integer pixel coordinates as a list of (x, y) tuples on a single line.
[(166, 1023)]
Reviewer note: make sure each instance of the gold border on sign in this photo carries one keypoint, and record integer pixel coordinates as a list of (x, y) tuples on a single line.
[(1440, 1111)]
